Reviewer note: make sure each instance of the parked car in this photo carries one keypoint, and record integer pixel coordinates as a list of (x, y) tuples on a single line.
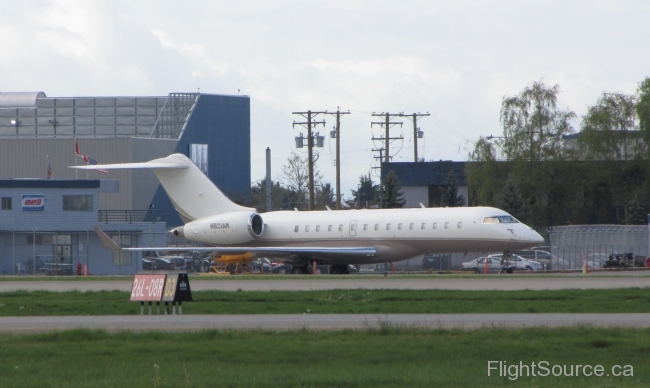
[(545, 258), (435, 261), (160, 263), (261, 265), (147, 264), (597, 260), (478, 265), (180, 263), (521, 263)]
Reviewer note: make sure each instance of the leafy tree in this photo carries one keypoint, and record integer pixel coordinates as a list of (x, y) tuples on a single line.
[(281, 197), (485, 174), (510, 200), (295, 176), (325, 196), (390, 190), (366, 195), (533, 125), (450, 197), (606, 129), (643, 107)]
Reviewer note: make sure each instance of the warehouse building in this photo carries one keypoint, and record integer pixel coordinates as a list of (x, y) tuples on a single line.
[(40, 137)]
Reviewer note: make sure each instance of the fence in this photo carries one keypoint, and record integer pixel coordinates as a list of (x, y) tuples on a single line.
[(578, 243)]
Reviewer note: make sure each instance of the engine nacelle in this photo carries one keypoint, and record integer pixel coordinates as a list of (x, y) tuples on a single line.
[(223, 229)]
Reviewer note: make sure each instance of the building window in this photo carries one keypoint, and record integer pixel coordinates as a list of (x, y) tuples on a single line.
[(199, 155), (78, 203), (35, 239), (7, 203)]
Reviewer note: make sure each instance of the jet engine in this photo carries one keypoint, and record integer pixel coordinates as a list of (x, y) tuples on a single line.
[(223, 229)]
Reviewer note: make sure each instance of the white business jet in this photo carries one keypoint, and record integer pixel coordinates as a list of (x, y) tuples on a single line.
[(336, 238)]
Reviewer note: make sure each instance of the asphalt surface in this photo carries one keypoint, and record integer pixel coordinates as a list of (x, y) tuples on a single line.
[(281, 322), (639, 279)]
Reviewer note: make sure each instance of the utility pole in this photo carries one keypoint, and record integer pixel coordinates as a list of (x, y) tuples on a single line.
[(386, 124), (337, 133), (416, 131), (381, 194), (309, 115)]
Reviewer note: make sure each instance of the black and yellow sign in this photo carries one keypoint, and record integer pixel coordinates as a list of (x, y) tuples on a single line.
[(177, 289)]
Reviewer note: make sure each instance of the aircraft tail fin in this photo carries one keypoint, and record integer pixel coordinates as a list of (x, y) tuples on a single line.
[(192, 193)]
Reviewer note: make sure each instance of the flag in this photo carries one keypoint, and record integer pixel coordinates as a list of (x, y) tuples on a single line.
[(86, 159), (78, 153), (92, 161), (50, 173)]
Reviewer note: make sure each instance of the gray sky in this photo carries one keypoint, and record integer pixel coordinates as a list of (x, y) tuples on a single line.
[(453, 59)]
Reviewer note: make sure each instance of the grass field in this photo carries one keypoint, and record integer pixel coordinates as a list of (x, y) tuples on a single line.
[(628, 300), (385, 357)]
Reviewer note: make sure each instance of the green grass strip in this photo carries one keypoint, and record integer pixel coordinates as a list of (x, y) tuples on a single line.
[(627, 300), (383, 357)]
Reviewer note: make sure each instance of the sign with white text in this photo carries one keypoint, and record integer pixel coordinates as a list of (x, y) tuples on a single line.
[(33, 203), (148, 288)]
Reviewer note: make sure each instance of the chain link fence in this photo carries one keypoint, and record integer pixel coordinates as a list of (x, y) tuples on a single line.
[(594, 244)]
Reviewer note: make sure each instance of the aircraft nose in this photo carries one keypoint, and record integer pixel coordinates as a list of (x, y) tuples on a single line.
[(536, 237)]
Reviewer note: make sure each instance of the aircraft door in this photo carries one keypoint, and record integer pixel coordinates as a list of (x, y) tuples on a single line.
[(353, 228)]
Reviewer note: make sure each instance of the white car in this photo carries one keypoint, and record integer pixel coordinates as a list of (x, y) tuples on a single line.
[(521, 263)]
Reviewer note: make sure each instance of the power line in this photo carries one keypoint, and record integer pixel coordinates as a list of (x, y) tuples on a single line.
[(386, 124)]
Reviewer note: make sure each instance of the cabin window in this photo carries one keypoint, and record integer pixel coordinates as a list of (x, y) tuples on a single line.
[(365, 226), (340, 228), (376, 226), (460, 225), (424, 225), (307, 228), (387, 226), (296, 229), (500, 220), (399, 226), (318, 228), (446, 225), (329, 228), (435, 225), (353, 227), (411, 226)]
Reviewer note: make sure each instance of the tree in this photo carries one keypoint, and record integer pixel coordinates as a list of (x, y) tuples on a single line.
[(606, 129), (325, 196), (484, 173), (449, 196), (510, 200), (390, 190), (366, 195), (281, 197), (295, 176), (533, 125)]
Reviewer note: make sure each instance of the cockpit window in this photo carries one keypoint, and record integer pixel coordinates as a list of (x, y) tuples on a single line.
[(500, 220)]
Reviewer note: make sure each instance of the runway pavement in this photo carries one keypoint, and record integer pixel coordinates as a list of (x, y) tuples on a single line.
[(305, 283), (314, 321)]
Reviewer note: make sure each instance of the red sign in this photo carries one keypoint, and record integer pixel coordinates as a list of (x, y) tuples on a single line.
[(148, 288)]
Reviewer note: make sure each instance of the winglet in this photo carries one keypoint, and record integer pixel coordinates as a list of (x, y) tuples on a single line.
[(107, 242)]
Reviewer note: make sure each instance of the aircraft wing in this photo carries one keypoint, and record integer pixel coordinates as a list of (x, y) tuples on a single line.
[(108, 243)]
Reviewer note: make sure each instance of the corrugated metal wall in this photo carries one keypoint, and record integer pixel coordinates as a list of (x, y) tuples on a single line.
[(27, 158)]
